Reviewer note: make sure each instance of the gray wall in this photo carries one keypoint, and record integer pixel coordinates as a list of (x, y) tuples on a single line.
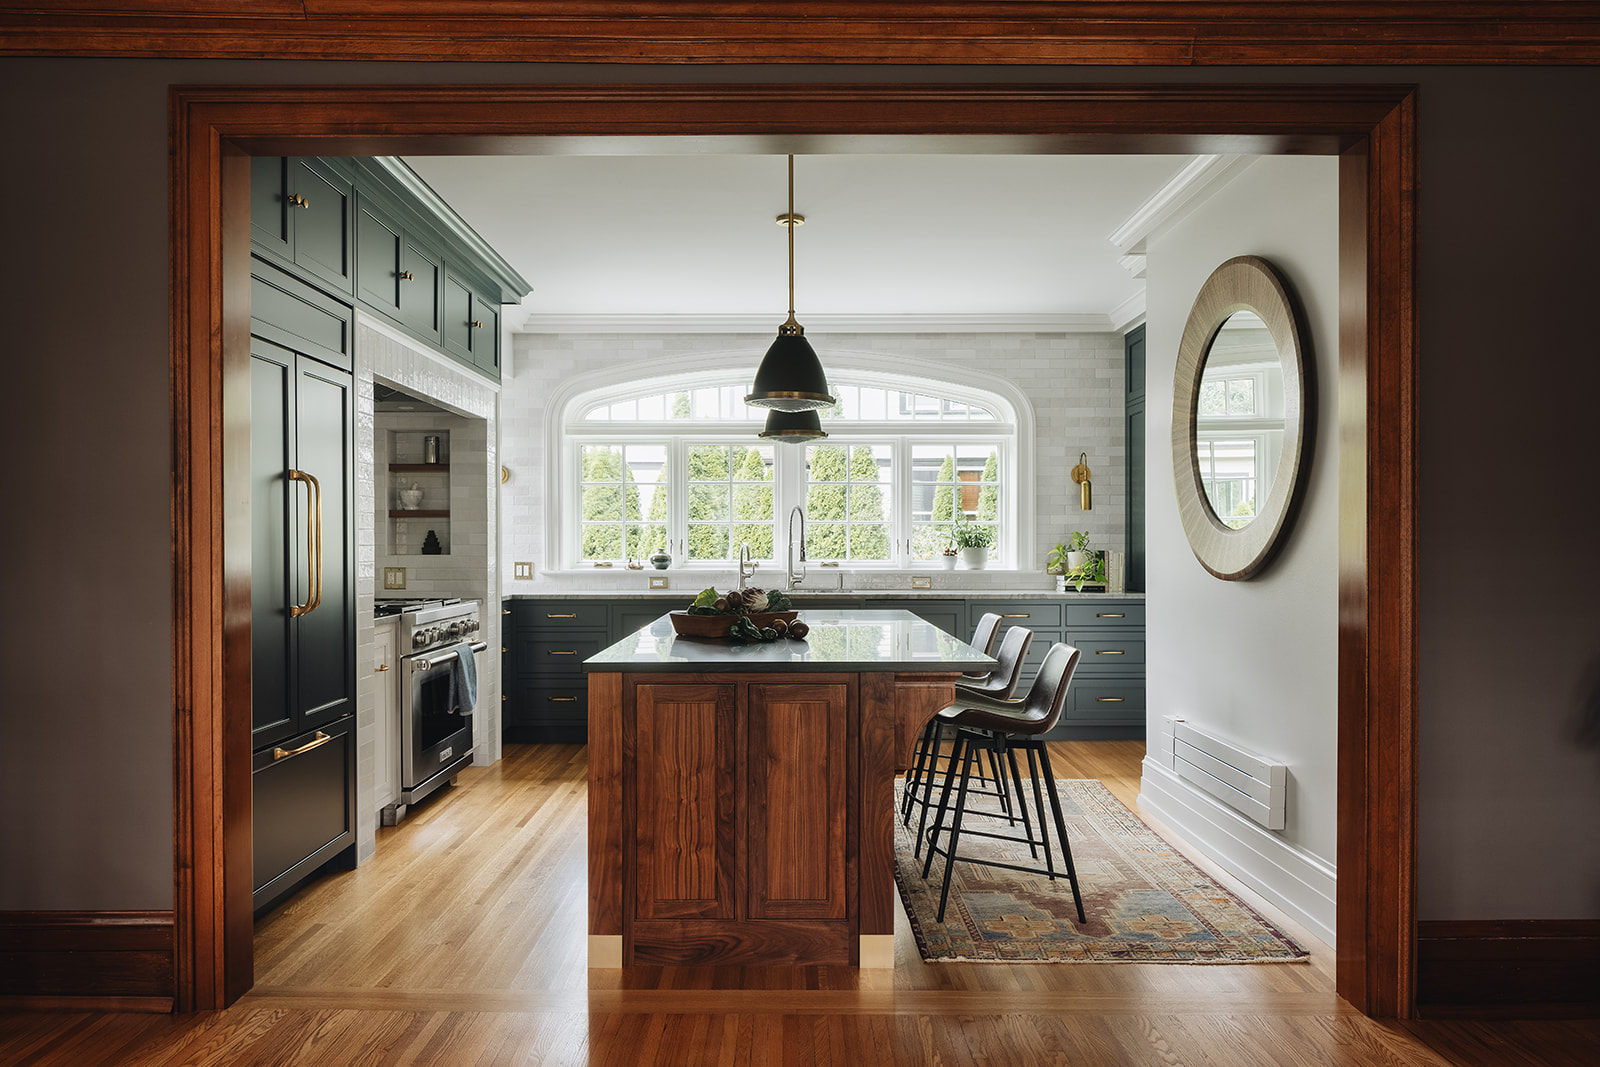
[(1252, 662), (1509, 634)]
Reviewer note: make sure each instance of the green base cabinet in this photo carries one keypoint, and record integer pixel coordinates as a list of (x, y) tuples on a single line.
[(547, 639)]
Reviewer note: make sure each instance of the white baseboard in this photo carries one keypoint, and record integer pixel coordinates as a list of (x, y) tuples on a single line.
[(1291, 879)]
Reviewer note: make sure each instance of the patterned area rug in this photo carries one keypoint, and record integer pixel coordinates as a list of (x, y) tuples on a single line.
[(1145, 903)]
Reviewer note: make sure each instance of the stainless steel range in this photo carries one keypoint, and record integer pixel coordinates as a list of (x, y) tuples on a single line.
[(438, 692)]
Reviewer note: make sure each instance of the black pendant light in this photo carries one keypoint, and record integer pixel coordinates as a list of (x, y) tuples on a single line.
[(790, 377), (793, 426)]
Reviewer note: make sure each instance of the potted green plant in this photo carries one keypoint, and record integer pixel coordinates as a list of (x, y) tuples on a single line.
[(973, 543), (948, 557), (1092, 569)]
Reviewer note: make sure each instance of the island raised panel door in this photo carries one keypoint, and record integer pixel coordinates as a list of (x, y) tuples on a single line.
[(799, 767), (685, 766)]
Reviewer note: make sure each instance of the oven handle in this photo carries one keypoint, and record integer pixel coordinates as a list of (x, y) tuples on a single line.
[(421, 663), (313, 544)]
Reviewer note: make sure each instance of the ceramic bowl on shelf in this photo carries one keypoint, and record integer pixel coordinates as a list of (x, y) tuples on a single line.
[(410, 498)]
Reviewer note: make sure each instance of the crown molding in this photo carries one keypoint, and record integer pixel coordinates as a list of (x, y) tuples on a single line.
[(1130, 313), (818, 324), (1199, 180)]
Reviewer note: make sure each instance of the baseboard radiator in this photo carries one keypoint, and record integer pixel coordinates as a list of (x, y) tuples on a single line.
[(1242, 780)]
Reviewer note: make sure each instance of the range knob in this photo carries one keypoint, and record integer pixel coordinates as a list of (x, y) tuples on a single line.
[(419, 639), (456, 629)]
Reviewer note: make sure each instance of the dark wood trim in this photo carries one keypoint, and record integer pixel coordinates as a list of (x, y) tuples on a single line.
[(1375, 125), (989, 32), (1376, 905), (87, 960), (1545, 968)]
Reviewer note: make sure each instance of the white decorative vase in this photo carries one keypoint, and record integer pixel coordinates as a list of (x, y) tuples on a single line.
[(974, 558)]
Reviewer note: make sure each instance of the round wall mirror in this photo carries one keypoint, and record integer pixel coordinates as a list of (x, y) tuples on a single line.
[(1238, 418)]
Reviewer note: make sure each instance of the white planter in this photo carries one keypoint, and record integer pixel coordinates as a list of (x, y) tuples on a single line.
[(1076, 560), (948, 562), (974, 558)]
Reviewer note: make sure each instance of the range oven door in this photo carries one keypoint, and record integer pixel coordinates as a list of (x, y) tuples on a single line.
[(436, 735)]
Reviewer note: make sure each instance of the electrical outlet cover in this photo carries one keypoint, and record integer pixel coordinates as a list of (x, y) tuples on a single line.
[(522, 571), (394, 577), (921, 581)]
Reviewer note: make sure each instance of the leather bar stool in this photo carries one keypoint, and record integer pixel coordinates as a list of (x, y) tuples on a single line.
[(985, 636), (1004, 727), (1000, 684)]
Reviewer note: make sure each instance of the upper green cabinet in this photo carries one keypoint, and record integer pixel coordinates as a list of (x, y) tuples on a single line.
[(471, 325), (397, 273), (300, 212), (371, 229)]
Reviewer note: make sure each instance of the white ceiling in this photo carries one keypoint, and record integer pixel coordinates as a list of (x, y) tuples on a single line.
[(885, 235)]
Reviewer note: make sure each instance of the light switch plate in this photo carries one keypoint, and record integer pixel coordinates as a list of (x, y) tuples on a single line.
[(394, 577), (658, 583), (921, 581), (522, 571)]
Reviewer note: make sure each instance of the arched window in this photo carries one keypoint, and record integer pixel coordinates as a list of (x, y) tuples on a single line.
[(674, 463)]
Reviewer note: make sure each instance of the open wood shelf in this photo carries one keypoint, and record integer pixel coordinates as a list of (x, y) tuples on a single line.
[(419, 468), (419, 513)]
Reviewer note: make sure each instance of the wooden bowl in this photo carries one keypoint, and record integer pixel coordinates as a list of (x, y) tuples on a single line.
[(717, 625)]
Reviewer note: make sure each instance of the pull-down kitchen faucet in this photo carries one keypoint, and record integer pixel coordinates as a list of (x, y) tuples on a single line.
[(797, 576), (747, 566)]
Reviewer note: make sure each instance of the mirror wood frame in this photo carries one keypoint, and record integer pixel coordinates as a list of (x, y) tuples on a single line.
[(1372, 128), (1244, 283)]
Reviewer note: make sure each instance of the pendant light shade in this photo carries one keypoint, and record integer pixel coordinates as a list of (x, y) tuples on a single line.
[(790, 377), (793, 426)]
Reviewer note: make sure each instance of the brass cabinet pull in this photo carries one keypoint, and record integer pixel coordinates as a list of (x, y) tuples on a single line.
[(406, 276), (507, 611), (382, 667), (296, 200), (1111, 700), (503, 699), (1110, 652), (553, 652), (503, 648), (1017, 615), (548, 615), (476, 324), (313, 543), (1110, 615), (561, 700), (283, 753)]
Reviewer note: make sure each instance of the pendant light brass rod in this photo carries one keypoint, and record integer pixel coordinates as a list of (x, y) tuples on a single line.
[(791, 238)]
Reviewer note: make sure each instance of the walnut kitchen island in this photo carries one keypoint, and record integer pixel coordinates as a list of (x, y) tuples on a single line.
[(741, 797)]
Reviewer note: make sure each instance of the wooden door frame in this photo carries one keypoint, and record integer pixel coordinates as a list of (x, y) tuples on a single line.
[(1372, 128)]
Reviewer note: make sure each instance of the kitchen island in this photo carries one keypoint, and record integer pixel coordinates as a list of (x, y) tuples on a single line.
[(741, 796)]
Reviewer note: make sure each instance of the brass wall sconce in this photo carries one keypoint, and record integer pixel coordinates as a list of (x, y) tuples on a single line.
[(1080, 474)]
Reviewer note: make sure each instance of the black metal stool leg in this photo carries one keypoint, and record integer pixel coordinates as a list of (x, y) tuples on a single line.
[(1061, 829), (944, 805), (915, 782), (1022, 802), (1003, 792), (1044, 826), (955, 829)]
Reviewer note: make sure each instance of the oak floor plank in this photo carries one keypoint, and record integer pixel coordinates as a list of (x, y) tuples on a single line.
[(463, 941)]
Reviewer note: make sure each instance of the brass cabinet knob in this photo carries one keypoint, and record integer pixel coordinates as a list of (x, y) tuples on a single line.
[(383, 667), (299, 201), (475, 324), (406, 276)]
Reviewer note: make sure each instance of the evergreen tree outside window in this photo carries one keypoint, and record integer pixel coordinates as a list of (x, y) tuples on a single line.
[(952, 483), (730, 500), (621, 493), (848, 488)]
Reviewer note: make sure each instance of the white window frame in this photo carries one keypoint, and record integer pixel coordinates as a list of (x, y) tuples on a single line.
[(1012, 432)]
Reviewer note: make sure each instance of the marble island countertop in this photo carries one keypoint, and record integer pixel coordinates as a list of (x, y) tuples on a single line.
[(800, 596), (892, 640)]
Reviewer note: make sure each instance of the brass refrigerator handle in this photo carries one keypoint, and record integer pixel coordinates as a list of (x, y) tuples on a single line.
[(317, 741), (313, 543)]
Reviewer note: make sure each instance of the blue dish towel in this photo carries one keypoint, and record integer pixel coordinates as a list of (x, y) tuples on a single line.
[(463, 695)]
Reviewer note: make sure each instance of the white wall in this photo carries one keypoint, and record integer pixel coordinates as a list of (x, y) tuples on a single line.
[(1074, 384), (1253, 661)]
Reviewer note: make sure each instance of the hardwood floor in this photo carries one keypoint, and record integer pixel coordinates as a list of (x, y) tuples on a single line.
[(463, 942)]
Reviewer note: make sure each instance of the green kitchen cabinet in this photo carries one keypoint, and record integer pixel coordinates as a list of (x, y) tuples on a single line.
[(471, 325), (302, 214), (398, 274)]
